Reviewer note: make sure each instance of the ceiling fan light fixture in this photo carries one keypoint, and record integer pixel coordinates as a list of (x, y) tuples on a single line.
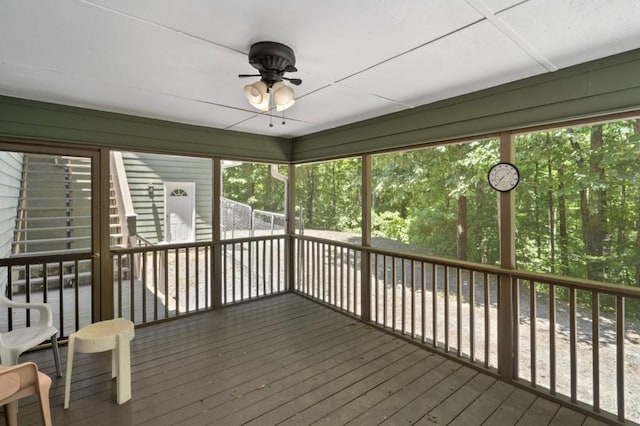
[(283, 96), (257, 94), (272, 60)]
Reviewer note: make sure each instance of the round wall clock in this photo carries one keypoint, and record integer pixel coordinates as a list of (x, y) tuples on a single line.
[(503, 177)]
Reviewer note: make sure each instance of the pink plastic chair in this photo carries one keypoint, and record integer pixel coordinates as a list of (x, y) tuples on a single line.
[(19, 381)]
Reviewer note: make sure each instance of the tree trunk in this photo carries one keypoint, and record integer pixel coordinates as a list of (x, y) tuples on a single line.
[(636, 127), (461, 228), (563, 235), (552, 222), (311, 189), (536, 211), (592, 209)]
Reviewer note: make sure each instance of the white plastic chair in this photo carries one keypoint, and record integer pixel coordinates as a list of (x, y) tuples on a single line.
[(15, 342)]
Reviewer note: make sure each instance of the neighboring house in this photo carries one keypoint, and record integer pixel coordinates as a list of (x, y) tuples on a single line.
[(183, 184), (10, 176)]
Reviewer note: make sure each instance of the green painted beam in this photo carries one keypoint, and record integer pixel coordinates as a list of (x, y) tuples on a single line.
[(608, 85), (25, 119)]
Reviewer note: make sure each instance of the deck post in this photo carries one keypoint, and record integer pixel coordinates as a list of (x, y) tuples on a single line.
[(365, 267), (102, 271), (290, 228), (506, 207), (216, 247)]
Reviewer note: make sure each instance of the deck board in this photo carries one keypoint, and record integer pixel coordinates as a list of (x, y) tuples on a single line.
[(284, 360)]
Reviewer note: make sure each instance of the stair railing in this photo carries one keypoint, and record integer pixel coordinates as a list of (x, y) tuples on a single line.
[(128, 216)]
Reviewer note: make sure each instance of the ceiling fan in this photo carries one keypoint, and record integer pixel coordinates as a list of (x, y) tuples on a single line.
[(272, 60)]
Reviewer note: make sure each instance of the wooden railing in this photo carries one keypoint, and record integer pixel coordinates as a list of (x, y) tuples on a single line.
[(573, 339), (178, 279), (62, 280), (568, 339), (169, 280)]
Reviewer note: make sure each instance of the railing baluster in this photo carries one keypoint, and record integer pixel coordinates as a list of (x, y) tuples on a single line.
[(413, 300), (27, 292), (487, 330), (132, 268), (532, 330), (620, 331), (264, 265), (552, 339), (403, 282), (393, 297), (165, 263), (76, 290), (434, 303), (187, 278), (384, 290), (119, 283), (446, 309), (515, 285), (323, 272), (374, 260), (335, 277), (572, 344), (356, 302), (241, 271), (423, 284), (595, 340), (342, 281), (155, 285), (472, 315), (143, 256), (233, 272), (196, 282), (177, 282), (459, 311)]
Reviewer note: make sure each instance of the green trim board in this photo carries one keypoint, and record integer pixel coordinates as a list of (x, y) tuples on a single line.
[(27, 119), (605, 86)]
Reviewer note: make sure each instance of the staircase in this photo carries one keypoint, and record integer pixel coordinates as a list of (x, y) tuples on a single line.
[(54, 217), (54, 206), (116, 233)]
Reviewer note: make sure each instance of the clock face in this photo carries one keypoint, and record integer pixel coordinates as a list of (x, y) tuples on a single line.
[(503, 177)]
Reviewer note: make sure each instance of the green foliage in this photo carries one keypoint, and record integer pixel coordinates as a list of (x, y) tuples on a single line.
[(328, 195), (577, 206), (252, 184), (390, 225)]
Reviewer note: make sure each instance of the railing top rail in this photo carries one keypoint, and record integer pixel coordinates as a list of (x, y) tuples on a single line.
[(173, 246), (461, 264), (578, 283), (254, 238), (269, 213), (24, 258)]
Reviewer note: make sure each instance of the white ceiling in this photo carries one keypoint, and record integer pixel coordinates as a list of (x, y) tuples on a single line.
[(179, 60)]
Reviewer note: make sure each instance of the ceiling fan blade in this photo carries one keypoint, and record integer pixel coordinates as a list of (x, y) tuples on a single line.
[(248, 75), (295, 81), (290, 68)]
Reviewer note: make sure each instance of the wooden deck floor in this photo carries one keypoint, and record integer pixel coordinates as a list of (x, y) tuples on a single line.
[(285, 360)]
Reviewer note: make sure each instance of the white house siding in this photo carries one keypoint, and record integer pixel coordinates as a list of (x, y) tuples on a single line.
[(10, 176), (144, 169)]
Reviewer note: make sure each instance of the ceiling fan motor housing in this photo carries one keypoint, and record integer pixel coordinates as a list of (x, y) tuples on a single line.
[(272, 59)]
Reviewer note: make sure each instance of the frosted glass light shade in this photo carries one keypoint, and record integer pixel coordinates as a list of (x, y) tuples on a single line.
[(282, 96), (257, 95)]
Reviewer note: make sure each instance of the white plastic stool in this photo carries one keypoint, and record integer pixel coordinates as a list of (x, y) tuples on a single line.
[(111, 335)]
